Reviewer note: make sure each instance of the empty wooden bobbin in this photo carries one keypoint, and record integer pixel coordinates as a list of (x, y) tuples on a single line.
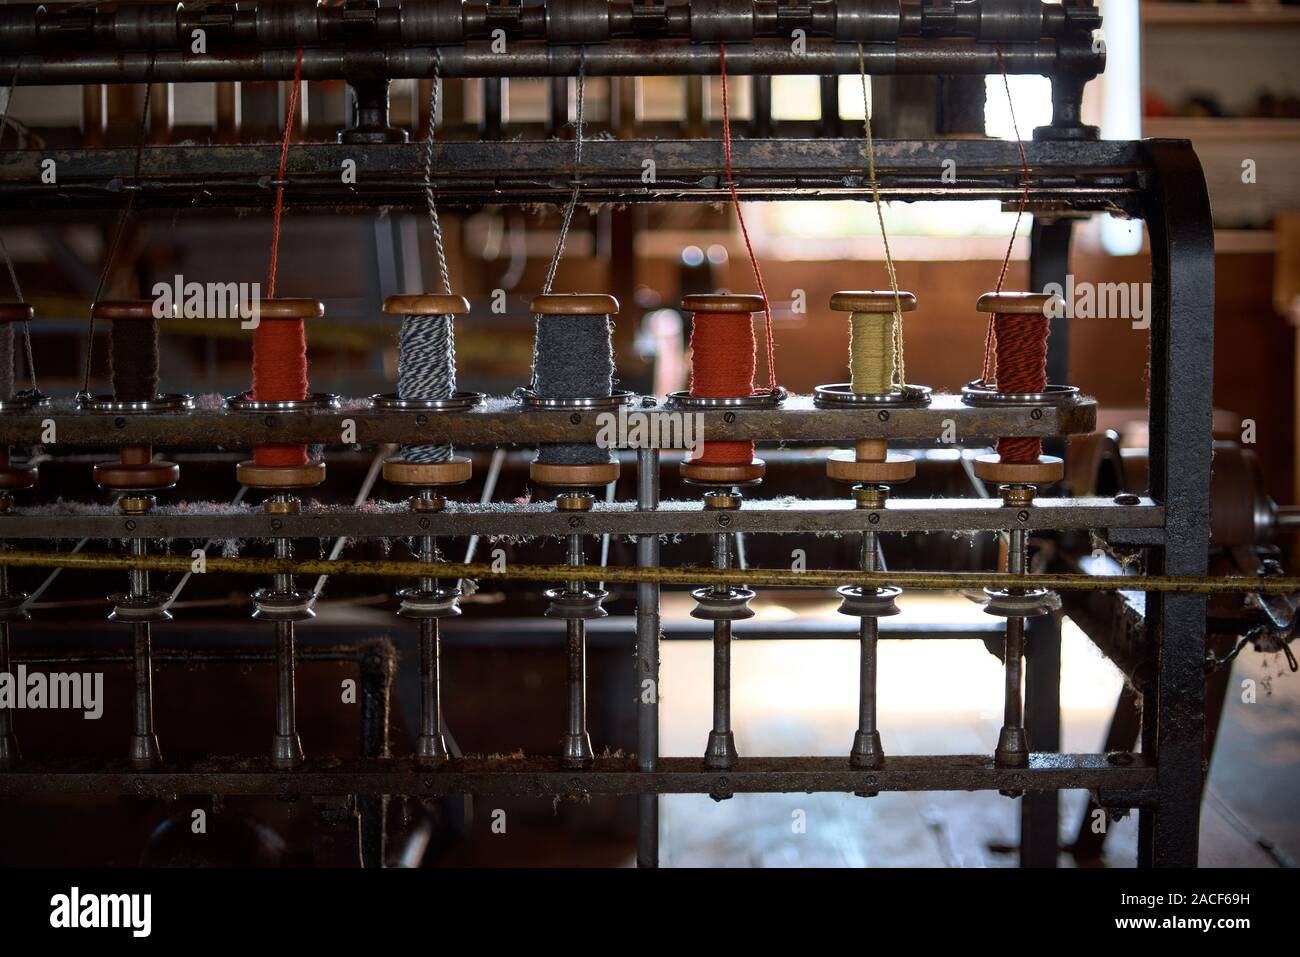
[(454, 471), (991, 468), (1019, 303), (280, 476), (136, 470), (712, 473), (870, 463)]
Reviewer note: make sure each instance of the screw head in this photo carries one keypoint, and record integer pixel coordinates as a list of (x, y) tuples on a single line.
[(883, 415), (1036, 414)]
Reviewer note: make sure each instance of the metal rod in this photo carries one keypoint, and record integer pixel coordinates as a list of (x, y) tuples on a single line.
[(1013, 746), (577, 751), (773, 577), (868, 752), (720, 751), (431, 748), (647, 660), (9, 753), (906, 56)]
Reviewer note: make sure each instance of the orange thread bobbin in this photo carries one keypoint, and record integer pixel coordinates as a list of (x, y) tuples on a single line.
[(1020, 331), (723, 362), (280, 375)]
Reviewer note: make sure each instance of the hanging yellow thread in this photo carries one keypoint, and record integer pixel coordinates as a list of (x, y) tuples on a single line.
[(898, 369), (872, 351)]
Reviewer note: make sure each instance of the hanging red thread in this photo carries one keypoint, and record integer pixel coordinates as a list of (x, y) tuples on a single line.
[(723, 360), (280, 345), (740, 217), (1021, 344), (987, 370)]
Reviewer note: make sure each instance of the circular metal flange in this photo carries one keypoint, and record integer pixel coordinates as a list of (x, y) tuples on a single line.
[(435, 603), (861, 602), (163, 402), (531, 400), (315, 401), (456, 402), (12, 608), (978, 394), (23, 401), (1033, 603), (151, 606), (269, 605), (841, 394), (580, 605), (769, 399), (731, 606)]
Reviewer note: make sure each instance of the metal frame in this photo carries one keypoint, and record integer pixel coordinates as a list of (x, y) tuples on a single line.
[(1159, 181)]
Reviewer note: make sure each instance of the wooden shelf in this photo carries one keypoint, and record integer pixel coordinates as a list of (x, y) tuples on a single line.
[(1220, 14), (1220, 128)]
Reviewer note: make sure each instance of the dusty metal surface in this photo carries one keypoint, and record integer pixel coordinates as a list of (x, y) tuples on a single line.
[(507, 423), (669, 518), (543, 776), (1097, 175)]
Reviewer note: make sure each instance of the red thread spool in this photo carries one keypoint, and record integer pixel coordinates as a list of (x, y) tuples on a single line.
[(1020, 331), (280, 367), (723, 361)]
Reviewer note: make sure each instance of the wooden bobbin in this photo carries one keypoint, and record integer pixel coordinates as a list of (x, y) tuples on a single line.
[(870, 463), (137, 310), (723, 302), (991, 468), (426, 305), (574, 304), (1019, 303), (875, 301), (280, 476), (573, 476), (290, 308), (707, 473), (454, 471), (135, 470)]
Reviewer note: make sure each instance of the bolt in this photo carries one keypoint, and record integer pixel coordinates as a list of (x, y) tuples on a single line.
[(873, 518), (1022, 515), (1036, 414), (276, 524), (649, 402), (575, 521), (423, 523), (724, 521), (421, 419), (883, 415), (1126, 498), (120, 422), (130, 525), (269, 421), (729, 417), (576, 419)]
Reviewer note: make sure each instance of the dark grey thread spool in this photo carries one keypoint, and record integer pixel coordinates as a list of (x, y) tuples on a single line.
[(133, 348), (6, 358), (573, 358)]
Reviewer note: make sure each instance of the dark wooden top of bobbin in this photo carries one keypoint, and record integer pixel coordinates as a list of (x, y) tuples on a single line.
[(16, 312), (574, 304), (1017, 303), (290, 308), (427, 305), (121, 309), (872, 300), (723, 302)]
